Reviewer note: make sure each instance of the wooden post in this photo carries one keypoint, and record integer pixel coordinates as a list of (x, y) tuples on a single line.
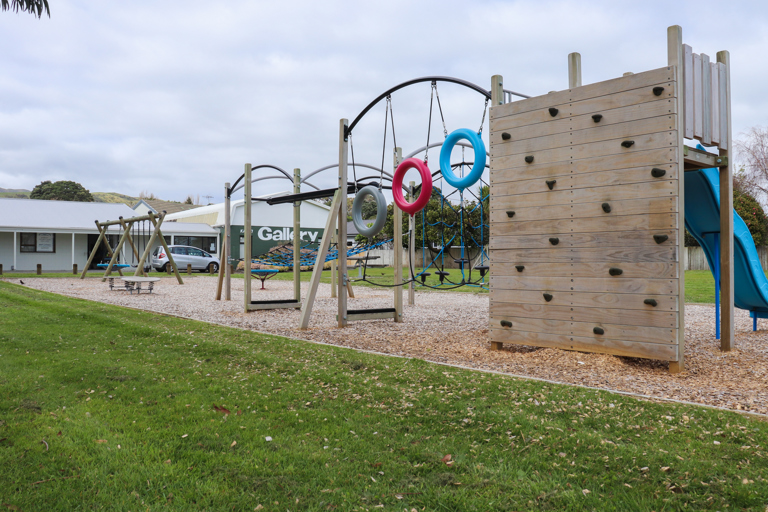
[(1, 269), (115, 255), (297, 237), (334, 274), (226, 256), (342, 221), (397, 247), (411, 248), (189, 269), (210, 269), (574, 70), (221, 273), (726, 218), (169, 267), (127, 232), (102, 232), (157, 233), (497, 90), (247, 236), (675, 58), (74, 268), (39, 269), (322, 252)]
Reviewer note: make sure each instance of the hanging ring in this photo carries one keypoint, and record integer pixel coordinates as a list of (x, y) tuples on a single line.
[(381, 211), (445, 158), (426, 185)]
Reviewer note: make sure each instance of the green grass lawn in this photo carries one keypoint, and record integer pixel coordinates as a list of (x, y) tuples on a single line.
[(108, 408)]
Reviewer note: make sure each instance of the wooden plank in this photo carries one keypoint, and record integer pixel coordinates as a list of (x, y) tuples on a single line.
[(537, 193), (688, 94), (595, 179), (604, 148), (659, 223), (611, 301), (603, 346), (575, 240), (658, 253), (725, 114), (698, 98), (520, 127), (706, 94), (635, 270), (523, 281), (633, 333), (585, 210), (664, 319), (645, 80), (715, 104), (653, 157), (284, 305), (599, 133), (351, 317)]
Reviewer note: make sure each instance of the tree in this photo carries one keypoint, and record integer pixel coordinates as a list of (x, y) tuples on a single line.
[(752, 153), (61, 191), (31, 6)]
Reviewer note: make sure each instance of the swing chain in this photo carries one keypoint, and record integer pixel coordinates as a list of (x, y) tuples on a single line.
[(440, 107), (482, 122), (354, 169)]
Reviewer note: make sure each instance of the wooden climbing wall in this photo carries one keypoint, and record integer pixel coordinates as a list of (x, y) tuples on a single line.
[(585, 219)]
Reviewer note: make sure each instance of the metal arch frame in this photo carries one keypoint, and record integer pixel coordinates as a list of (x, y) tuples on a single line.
[(348, 165), (433, 79), (234, 188), (436, 144), (509, 93)]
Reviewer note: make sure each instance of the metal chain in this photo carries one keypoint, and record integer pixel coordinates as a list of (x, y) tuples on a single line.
[(384, 145), (482, 122), (439, 106), (354, 169), (429, 126)]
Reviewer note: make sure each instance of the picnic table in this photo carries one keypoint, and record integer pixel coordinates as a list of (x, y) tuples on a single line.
[(263, 274), (134, 283)]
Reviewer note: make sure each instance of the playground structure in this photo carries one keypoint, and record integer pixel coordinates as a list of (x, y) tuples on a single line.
[(588, 208), (128, 225)]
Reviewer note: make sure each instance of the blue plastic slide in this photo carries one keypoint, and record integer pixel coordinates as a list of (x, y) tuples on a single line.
[(702, 219)]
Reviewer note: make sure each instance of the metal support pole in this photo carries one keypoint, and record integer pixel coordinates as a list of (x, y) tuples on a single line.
[(717, 285), (342, 237), (397, 247), (227, 253), (247, 236), (411, 248), (297, 236)]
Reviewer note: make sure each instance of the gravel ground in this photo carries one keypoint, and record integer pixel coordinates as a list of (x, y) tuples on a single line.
[(453, 328)]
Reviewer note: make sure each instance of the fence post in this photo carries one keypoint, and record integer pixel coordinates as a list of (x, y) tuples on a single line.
[(39, 269), (189, 269), (74, 268)]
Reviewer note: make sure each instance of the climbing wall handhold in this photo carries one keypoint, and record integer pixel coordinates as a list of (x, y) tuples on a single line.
[(628, 143), (554, 240), (520, 268), (506, 323), (651, 302), (505, 136), (551, 184), (553, 111), (598, 330), (659, 239), (547, 297), (510, 213), (606, 208), (597, 117), (615, 271), (658, 90), (658, 173), (529, 159)]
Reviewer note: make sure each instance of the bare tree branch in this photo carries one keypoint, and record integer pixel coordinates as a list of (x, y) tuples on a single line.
[(31, 6), (752, 157)]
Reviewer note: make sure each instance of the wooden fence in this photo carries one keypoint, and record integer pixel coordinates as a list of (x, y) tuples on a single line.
[(695, 259)]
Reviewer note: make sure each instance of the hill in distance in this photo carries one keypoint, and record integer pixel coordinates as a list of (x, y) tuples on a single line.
[(99, 197)]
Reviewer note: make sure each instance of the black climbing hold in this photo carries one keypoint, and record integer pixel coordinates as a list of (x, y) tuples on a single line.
[(510, 213), (553, 111), (598, 330), (658, 90), (554, 240), (651, 302), (606, 208), (424, 276), (597, 117), (628, 143), (483, 269), (660, 238), (615, 271), (506, 323), (520, 268), (529, 159), (547, 297), (505, 136), (658, 173), (551, 184)]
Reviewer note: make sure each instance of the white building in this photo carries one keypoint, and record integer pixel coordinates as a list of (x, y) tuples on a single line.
[(271, 225), (59, 234)]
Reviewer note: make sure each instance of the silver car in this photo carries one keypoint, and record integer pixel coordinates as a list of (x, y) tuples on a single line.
[(184, 255)]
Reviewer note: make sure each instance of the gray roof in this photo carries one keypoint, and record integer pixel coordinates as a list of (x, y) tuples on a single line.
[(73, 216)]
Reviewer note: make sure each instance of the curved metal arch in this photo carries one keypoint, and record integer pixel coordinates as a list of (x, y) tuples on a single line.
[(386, 93), (348, 165), (279, 177), (235, 187)]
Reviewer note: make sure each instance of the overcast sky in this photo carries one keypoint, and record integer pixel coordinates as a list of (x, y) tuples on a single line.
[(172, 98)]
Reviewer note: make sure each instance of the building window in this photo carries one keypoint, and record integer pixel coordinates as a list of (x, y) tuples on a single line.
[(206, 243), (38, 242)]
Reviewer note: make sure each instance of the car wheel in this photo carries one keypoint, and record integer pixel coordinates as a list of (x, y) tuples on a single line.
[(215, 267), (164, 267)]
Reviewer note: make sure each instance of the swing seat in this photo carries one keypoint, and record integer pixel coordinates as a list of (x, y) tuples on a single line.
[(442, 275), (483, 269), (462, 262), (424, 276)]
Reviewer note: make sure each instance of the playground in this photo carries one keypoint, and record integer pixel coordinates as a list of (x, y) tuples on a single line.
[(452, 328)]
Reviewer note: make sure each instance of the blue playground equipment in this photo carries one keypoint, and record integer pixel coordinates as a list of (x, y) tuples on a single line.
[(702, 219)]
